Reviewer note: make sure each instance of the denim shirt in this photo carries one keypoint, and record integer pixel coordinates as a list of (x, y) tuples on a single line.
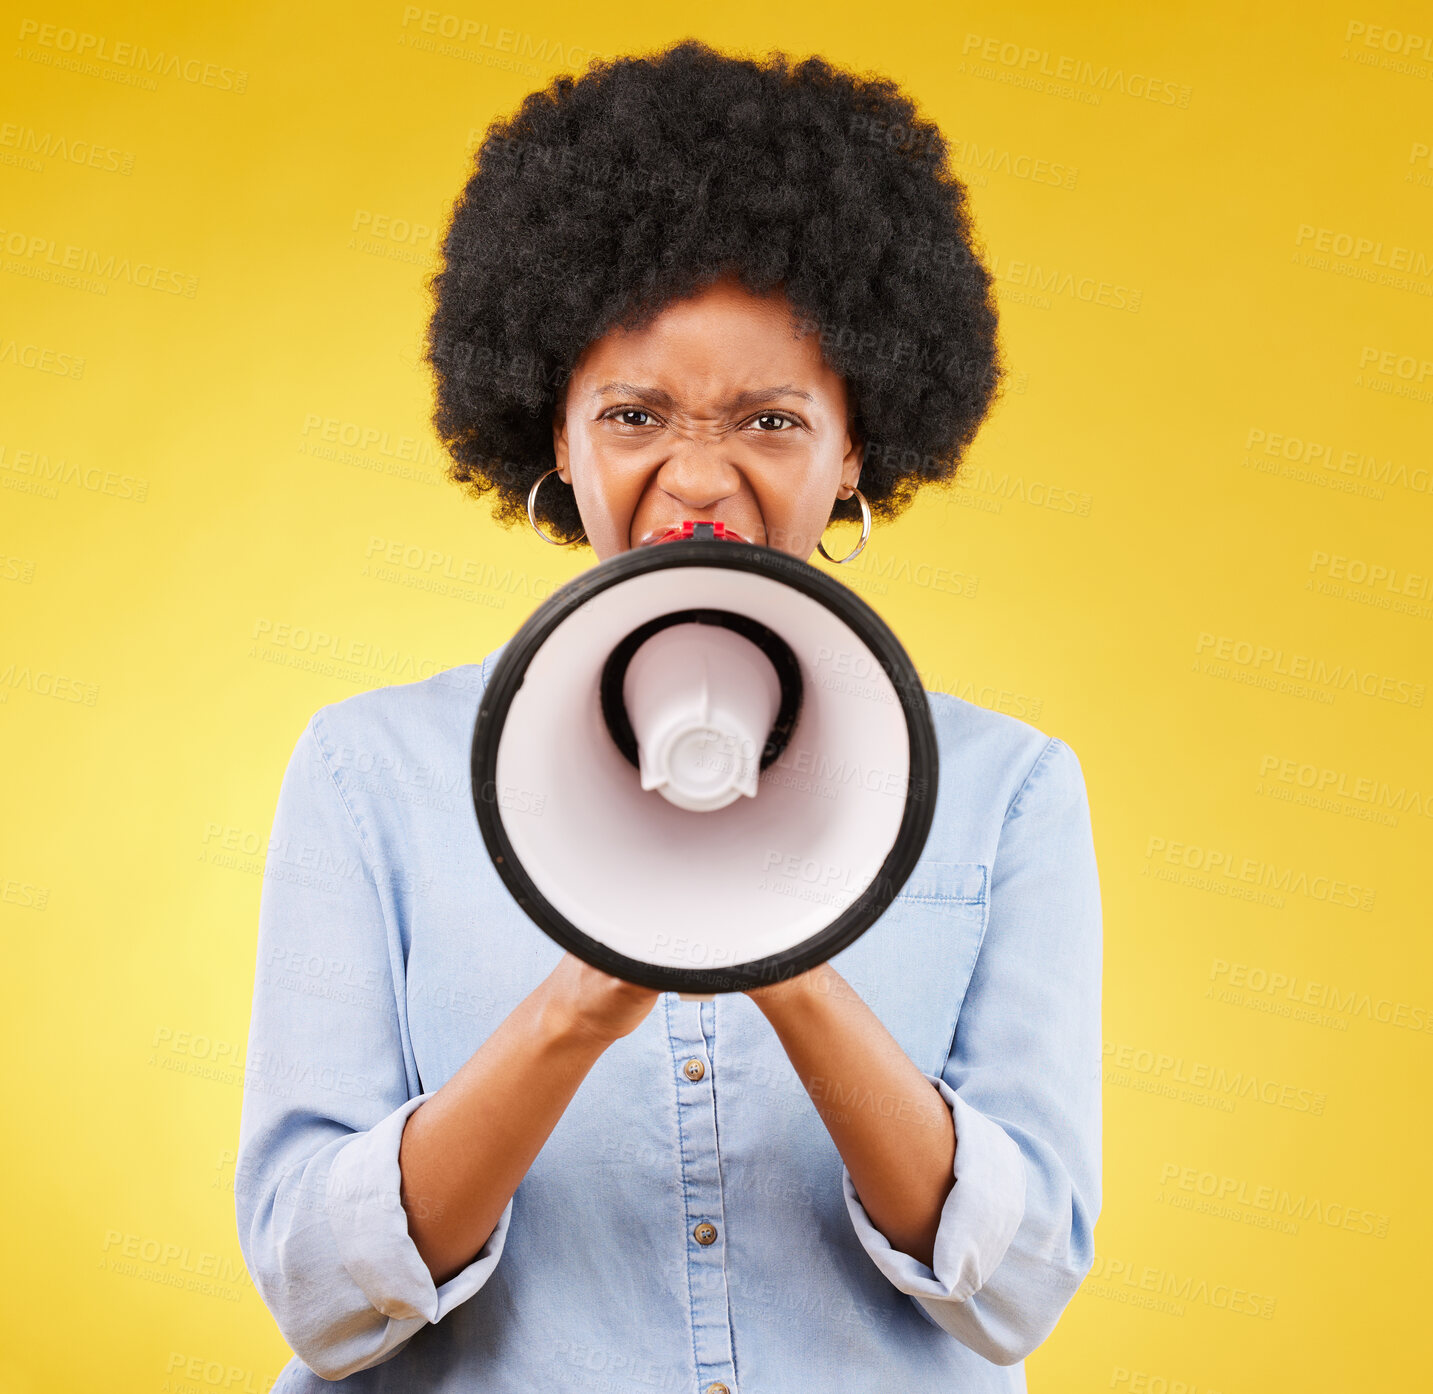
[(389, 950)]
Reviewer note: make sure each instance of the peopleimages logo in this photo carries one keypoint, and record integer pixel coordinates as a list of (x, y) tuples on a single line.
[(1221, 862), (1331, 459), (1353, 246), (1272, 663), (1273, 983), (37, 253), (83, 50), (1031, 62), (1224, 1085), (1401, 797), (1149, 1285), (1273, 1198)]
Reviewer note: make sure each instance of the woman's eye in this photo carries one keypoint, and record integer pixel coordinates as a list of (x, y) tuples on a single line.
[(768, 422)]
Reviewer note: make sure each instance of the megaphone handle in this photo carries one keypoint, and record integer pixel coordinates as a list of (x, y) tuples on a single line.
[(697, 996)]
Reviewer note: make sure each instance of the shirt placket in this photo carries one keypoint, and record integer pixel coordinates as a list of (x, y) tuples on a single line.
[(689, 1026)]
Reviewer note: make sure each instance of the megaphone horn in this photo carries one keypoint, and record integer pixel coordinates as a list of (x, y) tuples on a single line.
[(670, 731)]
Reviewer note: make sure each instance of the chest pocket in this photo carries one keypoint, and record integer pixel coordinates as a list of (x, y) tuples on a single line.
[(913, 965)]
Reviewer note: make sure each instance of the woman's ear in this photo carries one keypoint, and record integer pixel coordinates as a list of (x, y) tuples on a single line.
[(851, 462), (559, 441)]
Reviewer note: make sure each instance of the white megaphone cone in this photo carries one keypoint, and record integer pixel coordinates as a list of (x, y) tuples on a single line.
[(704, 765)]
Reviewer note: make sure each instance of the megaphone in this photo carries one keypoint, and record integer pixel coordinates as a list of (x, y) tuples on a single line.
[(704, 765)]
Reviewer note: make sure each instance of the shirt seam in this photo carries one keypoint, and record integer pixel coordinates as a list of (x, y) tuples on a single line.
[(1010, 807), (988, 899), (944, 899), (395, 976), (368, 857)]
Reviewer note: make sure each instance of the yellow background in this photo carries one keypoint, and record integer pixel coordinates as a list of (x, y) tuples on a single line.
[(200, 479)]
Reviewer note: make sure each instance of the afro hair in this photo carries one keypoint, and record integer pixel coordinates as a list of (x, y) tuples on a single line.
[(608, 196)]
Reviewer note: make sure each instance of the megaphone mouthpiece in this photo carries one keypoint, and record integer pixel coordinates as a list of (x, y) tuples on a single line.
[(701, 700), (711, 703)]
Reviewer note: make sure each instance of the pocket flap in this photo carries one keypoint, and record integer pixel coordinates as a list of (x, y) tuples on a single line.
[(961, 882)]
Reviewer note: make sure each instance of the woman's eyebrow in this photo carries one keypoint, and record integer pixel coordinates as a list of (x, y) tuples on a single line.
[(656, 397)]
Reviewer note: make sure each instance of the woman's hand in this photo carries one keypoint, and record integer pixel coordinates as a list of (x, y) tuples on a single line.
[(594, 1004)]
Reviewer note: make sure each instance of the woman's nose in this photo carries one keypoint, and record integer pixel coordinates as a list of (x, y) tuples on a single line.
[(698, 474)]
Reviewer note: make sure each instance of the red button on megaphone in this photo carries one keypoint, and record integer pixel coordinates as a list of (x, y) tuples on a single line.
[(699, 530)]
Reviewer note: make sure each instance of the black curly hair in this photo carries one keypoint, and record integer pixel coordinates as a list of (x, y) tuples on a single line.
[(606, 197)]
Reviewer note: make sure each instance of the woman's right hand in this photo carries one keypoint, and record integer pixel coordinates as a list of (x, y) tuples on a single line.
[(594, 1004)]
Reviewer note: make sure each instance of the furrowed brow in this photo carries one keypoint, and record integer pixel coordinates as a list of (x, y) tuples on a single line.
[(652, 395), (656, 397), (765, 394)]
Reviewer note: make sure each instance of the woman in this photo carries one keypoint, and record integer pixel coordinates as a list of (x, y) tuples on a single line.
[(687, 286)]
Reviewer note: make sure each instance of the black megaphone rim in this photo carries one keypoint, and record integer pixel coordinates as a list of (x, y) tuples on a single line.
[(916, 819)]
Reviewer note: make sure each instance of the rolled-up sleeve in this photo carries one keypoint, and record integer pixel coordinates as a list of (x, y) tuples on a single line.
[(1016, 1233), (327, 1092)]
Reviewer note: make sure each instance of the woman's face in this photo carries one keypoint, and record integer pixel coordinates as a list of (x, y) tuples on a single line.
[(718, 409)]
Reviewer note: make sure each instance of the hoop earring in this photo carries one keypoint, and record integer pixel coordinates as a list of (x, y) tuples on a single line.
[(865, 533), (531, 498)]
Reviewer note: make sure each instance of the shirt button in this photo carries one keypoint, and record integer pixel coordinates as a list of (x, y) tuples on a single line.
[(694, 1069), (704, 1233), (717, 1388)]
